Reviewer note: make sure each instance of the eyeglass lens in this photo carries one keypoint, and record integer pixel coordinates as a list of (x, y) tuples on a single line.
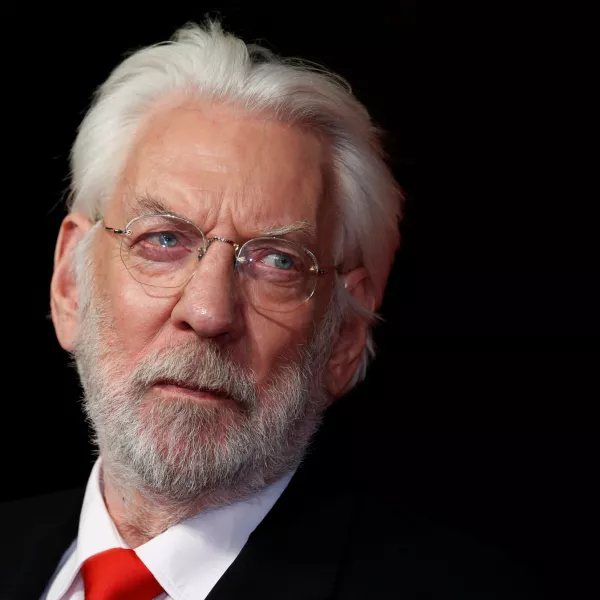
[(163, 251)]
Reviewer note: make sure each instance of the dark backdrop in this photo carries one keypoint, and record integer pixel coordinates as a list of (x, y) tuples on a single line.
[(479, 408)]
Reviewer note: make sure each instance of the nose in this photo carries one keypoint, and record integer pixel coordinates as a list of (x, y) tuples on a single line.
[(210, 302)]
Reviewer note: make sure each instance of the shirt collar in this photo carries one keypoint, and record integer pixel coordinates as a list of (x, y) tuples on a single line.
[(189, 558)]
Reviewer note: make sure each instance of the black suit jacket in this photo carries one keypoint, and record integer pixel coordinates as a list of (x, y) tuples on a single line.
[(335, 533)]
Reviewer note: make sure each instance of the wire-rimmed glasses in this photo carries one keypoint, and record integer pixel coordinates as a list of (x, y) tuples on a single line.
[(163, 250)]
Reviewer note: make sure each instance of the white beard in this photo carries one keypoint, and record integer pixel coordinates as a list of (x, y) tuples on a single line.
[(177, 450)]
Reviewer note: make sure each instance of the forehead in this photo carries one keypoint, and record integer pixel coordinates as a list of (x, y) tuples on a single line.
[(220, 166)]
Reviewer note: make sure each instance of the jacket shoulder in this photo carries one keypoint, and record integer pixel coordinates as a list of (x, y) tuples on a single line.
[(38, 514), (35, 533)]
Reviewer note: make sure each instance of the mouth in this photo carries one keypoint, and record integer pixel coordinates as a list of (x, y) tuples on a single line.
[(172, 388)]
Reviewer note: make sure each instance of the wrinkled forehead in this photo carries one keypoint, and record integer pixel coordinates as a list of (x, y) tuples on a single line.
[(219, 166)]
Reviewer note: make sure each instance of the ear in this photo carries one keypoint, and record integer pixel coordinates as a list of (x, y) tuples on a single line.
[(63, 288), (352, 337)]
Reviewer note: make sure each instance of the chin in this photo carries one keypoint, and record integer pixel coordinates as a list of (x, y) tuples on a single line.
[(182, 423)]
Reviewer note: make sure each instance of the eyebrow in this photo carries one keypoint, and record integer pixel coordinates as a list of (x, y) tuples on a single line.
[(300, 226), (146, 204)]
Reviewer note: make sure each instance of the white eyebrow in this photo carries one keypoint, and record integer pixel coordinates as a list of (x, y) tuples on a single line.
[(149, 204), (302, 226)]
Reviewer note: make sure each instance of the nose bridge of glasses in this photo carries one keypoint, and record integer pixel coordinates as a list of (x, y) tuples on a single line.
[(209, 242)]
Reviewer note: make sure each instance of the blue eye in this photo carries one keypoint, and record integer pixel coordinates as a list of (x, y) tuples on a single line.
[(280, 261), (166, 239)]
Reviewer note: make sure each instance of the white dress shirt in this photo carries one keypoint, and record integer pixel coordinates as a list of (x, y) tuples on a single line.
[(187, 559)]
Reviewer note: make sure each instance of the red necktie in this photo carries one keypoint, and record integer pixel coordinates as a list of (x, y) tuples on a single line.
[(118, 574)]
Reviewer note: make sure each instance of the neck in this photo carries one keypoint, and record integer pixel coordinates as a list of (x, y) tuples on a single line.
[(140, 515), (138, 519)]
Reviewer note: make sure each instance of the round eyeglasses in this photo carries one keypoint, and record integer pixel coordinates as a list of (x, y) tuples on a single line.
[(162, 250)]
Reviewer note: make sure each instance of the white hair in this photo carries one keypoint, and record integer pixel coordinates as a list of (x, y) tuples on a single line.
[(206, 62)]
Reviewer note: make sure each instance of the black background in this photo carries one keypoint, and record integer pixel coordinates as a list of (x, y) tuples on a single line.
[(480, 406)]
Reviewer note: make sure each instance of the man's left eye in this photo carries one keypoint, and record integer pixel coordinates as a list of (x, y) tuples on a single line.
[(279, 261)]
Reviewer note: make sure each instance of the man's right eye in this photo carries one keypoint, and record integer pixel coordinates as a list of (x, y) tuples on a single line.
[(166, 239)]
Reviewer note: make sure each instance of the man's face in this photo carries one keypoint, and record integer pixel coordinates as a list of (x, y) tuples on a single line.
[(234, 176), (151, 362)]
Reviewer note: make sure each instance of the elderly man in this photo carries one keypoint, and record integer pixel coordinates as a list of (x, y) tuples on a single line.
[(232, 225)]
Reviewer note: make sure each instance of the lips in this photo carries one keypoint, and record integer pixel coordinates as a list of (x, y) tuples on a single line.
[(200, 392)]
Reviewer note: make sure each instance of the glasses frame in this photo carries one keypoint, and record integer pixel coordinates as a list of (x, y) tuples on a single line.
[(237, 248)]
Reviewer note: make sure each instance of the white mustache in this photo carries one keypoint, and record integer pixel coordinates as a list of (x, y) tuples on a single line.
[(200, 368)]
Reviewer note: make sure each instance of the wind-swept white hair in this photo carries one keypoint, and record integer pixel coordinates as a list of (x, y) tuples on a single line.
[(206, 62)]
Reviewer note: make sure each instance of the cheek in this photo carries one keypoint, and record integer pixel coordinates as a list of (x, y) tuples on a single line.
[(272, 340), (137, 317)]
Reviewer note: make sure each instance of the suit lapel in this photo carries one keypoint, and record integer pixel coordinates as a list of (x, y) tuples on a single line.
[(52, 523), (298, 549)]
